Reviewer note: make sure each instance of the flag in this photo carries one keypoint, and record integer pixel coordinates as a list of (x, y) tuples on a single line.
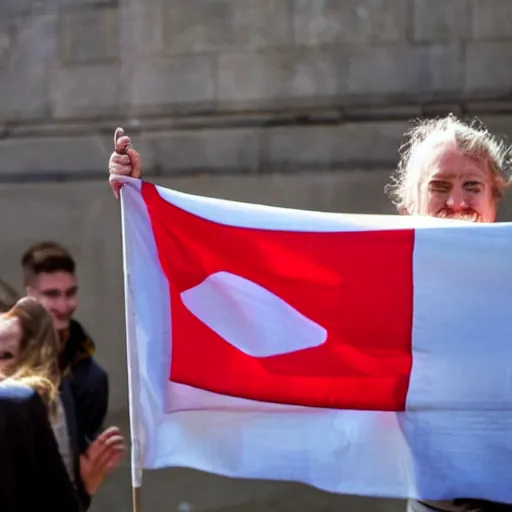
[(360, 354)]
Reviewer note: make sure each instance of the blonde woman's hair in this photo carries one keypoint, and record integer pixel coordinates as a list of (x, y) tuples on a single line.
[(37, 364)]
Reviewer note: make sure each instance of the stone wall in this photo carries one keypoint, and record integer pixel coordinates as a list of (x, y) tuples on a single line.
[(240, 86), (297, 103)]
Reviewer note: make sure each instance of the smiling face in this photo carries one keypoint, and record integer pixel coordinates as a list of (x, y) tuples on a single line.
[(10, 341), (49, 276), (57, 292), (456, 186)]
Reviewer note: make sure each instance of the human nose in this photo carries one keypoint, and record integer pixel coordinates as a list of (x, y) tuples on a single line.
[(456, 200), (60, 305)]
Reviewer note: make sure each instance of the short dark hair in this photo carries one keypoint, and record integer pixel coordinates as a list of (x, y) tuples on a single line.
[(46, 257)]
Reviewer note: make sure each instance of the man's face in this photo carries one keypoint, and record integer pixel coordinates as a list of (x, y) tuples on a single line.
[(456, 186), (57, 292)]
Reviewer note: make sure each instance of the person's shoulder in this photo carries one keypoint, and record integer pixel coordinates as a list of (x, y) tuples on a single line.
[(95, 372), (18, 399), (90, 367), (85, 350), (88, 372), (81, 337), (15, 392)]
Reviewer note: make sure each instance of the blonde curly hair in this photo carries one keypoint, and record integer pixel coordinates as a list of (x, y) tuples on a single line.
[(37, 364), (472, 139)]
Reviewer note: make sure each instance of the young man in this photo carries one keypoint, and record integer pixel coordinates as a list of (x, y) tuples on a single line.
[(49, 276), (448, 169)]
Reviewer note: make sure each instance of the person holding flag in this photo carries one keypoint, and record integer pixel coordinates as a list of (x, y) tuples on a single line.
[(448, 169)]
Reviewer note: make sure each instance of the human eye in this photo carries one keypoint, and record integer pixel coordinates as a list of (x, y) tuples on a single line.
[(51, 294), (71, 293), (6, 355), (473, 186), (439, 186)]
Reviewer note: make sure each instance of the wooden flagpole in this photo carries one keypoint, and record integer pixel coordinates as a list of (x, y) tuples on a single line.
[(136, 499), (133, 373), (131, 358)]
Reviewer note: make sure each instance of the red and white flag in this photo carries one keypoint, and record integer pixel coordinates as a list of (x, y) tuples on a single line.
[(360, 354)]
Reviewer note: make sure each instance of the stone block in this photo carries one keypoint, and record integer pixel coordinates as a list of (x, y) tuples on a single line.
[(89, 35), (16, 7), (159, 85), (380, 112), (261, 24), (287, 77), (302, 148), (317, 22), (196, 26), (37, 7), (218, 25), (405, 69), (85, 91), (492, 19), (54, 155), (221, 150), (142, 29), (245, 78), (439, 20), (488, 66), (6, 43), (13, 7), (489, 107), (24, 75), (317, 74), (351, 145)]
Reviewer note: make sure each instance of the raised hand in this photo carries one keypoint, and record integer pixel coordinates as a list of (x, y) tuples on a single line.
[(124, 161), (102, 456)]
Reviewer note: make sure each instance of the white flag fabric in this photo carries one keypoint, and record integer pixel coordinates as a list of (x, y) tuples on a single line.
[(360, 354)]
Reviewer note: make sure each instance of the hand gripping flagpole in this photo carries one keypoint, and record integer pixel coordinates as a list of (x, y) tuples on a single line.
[(132, 367)]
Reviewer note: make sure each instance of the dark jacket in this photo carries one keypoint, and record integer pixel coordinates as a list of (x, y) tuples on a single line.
[(32, 473), (88, 383), (68, 402), (459, 505), (84, 394)]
